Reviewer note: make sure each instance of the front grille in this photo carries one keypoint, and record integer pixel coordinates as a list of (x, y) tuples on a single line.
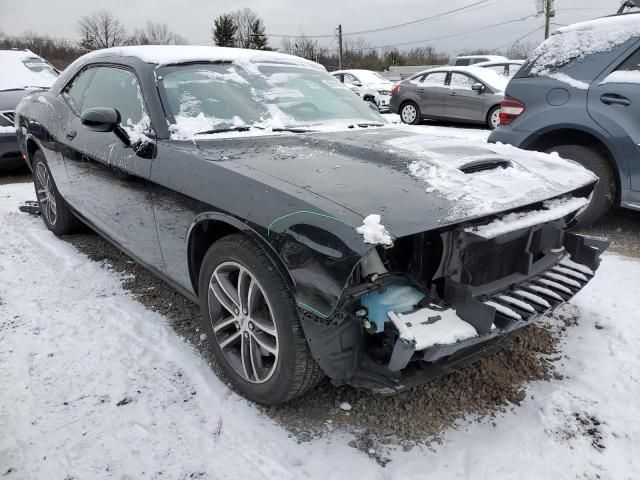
[(485, 262)]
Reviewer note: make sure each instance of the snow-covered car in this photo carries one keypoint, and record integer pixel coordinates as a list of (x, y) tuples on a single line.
[(249, 181), (370, 81), (20, 72), (468, 60), (365, 94), (507, 68), (459, 94)]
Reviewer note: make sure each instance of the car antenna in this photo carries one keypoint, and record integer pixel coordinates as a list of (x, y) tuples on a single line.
[(628, 4)]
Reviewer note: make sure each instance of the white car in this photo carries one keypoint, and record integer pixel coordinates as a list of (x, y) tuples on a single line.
[(467, 60), (369, 81), (506, 68)]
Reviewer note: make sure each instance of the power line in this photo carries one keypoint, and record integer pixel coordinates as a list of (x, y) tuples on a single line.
[(519, 39), (445, 36), (455, 11)]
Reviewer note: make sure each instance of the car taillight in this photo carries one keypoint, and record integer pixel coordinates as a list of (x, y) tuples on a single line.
[(394, 88), (510, 109)]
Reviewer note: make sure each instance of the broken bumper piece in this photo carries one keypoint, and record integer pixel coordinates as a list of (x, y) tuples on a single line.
[(490, 317)]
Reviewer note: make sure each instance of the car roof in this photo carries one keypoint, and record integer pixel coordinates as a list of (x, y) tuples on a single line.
[(492, 58), (490, 77), (499, 62), (176, 54)]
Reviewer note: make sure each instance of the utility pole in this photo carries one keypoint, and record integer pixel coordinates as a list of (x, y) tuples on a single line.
[(549, 13), (339, 47)]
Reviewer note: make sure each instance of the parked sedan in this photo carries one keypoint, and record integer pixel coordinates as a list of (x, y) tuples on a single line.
[(20, 72), (249, 181), (460, 94)]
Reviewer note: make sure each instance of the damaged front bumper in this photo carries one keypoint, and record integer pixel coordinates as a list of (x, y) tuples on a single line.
[(495, 309)]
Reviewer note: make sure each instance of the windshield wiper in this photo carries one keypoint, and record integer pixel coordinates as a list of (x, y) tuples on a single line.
[(366, 124), (223, 130)]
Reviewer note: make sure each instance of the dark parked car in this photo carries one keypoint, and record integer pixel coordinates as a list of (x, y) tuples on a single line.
[(20, 72), (250, 182), (578, 94), (459, 94)]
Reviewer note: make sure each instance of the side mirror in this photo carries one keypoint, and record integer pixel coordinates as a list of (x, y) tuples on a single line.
[(477, 87), (100, 119)]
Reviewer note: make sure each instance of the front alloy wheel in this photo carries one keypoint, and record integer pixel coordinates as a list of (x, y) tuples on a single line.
[(242, 321)]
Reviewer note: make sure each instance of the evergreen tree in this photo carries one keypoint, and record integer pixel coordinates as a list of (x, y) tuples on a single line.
[(224, 31), (258, 38)]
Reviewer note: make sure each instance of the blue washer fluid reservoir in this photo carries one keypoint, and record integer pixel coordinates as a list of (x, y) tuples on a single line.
[(395, 298)]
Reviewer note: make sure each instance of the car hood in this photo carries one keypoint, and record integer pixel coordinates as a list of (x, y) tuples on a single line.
[(10, 98), (416, 182)]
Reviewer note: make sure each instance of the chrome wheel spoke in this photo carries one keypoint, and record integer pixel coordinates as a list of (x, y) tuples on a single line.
[(225, 292), (224, 323), (264, 344), (255, 358), (230, 339), (245, 351), (264, 325)]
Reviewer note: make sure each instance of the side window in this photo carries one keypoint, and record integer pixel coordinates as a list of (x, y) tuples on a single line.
[(631, 63), (462, 81), (478, 60), (348, 78), (116, 88), (462, 62), (500, 69), (74, 92), (435, 79)]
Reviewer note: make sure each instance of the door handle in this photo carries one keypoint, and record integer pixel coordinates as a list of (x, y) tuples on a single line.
[(71, 134), (614, 99), (421, 90), (452, 94)]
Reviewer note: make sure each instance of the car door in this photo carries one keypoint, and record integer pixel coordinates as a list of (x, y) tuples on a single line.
[(462, 102), (351, 80), (108, 178), (432, 92), (614, 103)]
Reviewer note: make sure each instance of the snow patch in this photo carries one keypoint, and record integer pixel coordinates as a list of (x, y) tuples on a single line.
[(564, 78), (9, 129), (374, 232), (15, 71), (622, 76), (427, 327), (552, 210)]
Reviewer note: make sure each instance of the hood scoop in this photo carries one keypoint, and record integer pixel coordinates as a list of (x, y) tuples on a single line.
[(482, 165)]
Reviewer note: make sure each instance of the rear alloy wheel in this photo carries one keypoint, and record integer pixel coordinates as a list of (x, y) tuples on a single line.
[(55, 211), (493, 118), (410, 113), (252, 323), (605, 193)]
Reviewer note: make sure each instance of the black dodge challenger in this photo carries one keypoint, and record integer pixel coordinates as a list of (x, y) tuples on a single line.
[(317, 239)]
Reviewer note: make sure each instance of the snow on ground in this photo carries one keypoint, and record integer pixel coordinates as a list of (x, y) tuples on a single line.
[(95, 386)]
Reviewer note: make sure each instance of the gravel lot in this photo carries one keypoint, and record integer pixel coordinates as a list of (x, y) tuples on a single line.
[(493, 384)]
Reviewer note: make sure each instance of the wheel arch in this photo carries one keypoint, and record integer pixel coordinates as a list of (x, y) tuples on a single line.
[(209, 227), (576, 136)]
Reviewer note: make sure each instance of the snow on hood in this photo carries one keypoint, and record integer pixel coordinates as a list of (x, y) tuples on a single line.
[(172, 54), (575, 42), (15, 71), (528, 176)]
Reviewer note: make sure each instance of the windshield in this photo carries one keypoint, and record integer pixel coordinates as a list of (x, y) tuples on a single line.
[(19, 70), (372, 77), (206, 98)]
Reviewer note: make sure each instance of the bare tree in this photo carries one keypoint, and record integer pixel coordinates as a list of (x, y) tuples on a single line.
[(156, 34), (244, 20), (101, 30)]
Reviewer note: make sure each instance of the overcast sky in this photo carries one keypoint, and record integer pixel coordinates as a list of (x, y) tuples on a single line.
[(193, 18)]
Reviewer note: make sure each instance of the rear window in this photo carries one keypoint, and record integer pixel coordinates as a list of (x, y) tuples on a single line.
[(575, 43), (462, 62)]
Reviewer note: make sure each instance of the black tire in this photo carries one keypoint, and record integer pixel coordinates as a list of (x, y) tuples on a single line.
[(490, 117), (295, 371), (408, 120), (60, 221), (605, 193)]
